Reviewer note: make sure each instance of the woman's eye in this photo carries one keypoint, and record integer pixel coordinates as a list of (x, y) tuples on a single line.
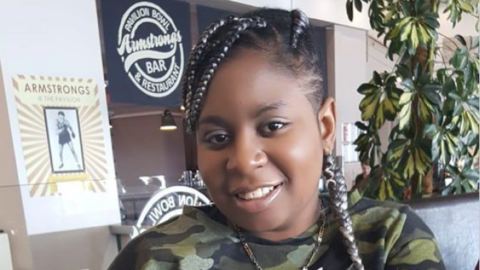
[(272, 127), (217, 139)]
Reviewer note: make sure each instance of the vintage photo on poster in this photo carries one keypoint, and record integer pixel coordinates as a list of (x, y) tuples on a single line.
[(64, 140)]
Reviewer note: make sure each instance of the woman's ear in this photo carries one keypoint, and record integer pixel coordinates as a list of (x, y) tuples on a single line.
[(326, 121)]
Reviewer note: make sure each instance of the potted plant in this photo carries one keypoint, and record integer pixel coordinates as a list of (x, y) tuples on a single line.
[(435, 111)]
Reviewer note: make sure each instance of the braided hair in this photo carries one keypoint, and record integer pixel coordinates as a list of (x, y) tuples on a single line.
[(286, 39), (337, 190)]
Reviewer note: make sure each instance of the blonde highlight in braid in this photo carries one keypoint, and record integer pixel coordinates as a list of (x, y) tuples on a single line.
[(337, 190)]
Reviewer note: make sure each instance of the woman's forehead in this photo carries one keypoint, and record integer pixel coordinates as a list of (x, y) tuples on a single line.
[(250, 81)]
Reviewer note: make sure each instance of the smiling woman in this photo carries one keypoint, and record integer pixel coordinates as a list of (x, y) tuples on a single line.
[(264, 134)]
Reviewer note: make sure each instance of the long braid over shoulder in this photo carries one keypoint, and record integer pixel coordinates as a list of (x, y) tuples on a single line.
[(285, 37), (337, 189)]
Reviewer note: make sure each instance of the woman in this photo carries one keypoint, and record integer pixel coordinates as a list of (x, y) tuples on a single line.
[(64, 129), (264, 135)]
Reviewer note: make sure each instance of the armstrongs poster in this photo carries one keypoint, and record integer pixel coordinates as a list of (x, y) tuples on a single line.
[(61, 133)]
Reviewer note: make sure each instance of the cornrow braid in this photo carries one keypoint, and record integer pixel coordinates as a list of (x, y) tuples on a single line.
[(195, 98), (299, 27), (339, 202), (197, 53)]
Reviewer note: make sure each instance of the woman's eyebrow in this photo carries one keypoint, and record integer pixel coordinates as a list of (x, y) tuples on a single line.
[(270, 107), (214, 120)]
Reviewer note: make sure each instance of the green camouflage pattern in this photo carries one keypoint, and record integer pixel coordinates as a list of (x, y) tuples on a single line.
[(389, 235)]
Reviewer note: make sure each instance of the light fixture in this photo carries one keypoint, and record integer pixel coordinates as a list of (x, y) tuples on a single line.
[(168, 123)]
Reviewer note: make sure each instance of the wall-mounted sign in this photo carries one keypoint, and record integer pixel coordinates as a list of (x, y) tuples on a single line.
[(61, 134), (146, 45), (166, 205)]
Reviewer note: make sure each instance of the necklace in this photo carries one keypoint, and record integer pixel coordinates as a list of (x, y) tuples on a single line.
[(253, 259)]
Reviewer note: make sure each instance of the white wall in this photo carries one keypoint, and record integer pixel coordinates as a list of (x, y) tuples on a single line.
[(347, 63), (60, 39), (333, 11), (5, 254), (330, 11), (12, 219)]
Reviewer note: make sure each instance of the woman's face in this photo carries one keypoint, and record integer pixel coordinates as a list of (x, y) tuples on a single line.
[(260, 145)]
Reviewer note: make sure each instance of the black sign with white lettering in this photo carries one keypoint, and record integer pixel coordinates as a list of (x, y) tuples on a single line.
[(146, 46), (168, 204)]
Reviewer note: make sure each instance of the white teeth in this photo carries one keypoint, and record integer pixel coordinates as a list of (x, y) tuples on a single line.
[(266, 190), (256, 194)]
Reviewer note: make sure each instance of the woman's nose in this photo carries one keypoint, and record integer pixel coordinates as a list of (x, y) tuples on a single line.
[(246, 156)]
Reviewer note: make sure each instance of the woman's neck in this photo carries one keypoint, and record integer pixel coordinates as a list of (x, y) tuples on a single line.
[(293, 227)]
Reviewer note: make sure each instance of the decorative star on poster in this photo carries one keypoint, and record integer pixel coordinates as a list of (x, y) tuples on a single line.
[(146, 47)]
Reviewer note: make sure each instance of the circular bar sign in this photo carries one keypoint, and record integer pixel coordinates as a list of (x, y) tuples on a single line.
[(150, 47), (166, 205)]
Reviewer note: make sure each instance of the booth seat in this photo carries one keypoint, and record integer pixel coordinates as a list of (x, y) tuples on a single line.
[(454, 221)]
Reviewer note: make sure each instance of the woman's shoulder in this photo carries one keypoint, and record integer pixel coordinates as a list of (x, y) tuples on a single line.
[(373, 210), (396, 220), (176, 240), (395, 229)]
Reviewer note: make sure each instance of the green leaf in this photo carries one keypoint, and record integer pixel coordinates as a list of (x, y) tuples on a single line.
[(454, 96), (445, 156), (471, 174), (436, 146), (382, 195), (431, 22), (406, 97), (368, 105), (472, 139), (405, 115), (366, 88), (425, 36), (414, 37), (474, 102), (377, 78), (433, 97), (350, 9), (461, 39), (475, 42), (421, 161), (409, 167), (430, 130), (458, 109), (361, 125), (358, 5), (466, 6), (408, 83), (466, 186), (405, 32), (397, 147)]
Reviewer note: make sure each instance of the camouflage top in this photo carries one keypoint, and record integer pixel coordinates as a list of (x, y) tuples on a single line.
[(390, 236)]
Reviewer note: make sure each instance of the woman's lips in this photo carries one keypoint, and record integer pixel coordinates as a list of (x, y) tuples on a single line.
[(251, 203)]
